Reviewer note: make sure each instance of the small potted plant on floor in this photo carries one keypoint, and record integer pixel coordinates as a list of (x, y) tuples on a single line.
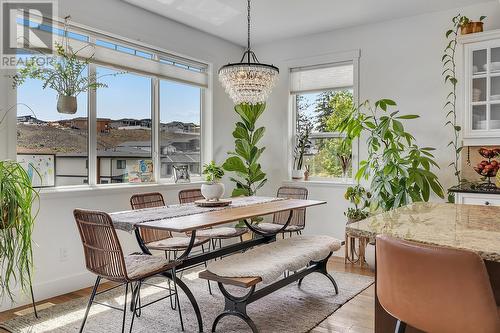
[(214, 189), (360, 198)]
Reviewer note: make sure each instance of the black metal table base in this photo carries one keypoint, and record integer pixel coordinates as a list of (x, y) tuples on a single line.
[(237, 305), (191, 261)]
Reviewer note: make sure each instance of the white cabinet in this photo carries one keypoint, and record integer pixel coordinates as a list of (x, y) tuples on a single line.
[(477, 199), (481, 88)]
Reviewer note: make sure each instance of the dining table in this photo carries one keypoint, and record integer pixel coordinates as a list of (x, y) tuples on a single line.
[(189, 218), (468, 227)]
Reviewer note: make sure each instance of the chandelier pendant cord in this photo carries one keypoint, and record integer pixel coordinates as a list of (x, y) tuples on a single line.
[(248, 81), (248, 36)]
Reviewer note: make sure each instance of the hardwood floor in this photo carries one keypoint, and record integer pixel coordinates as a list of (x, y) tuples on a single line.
[(356, 316)]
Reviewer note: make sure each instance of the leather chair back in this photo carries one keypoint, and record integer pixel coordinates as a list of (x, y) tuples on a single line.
[(435, 289)]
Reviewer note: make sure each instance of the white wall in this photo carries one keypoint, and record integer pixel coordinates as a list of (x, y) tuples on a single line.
[(401, 60), (55, 232)]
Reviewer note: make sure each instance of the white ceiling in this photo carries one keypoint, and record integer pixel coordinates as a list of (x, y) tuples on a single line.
[(278, 19)]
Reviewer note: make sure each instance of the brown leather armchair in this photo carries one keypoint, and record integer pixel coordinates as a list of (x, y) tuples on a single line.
[(435, 289)]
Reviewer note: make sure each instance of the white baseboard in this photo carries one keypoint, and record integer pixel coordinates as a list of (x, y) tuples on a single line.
[(50, 289)]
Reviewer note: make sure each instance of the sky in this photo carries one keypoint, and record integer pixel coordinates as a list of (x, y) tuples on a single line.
[(127, 96)]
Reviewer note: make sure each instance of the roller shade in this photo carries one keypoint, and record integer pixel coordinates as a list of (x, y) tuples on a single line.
[(321, 77), (105, 56)]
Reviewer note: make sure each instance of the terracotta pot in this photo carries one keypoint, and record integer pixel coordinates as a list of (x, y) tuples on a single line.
[(67, 104), (471, 27), (477, 27)]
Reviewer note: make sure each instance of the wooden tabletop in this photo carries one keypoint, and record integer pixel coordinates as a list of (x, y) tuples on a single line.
[(214, 218)]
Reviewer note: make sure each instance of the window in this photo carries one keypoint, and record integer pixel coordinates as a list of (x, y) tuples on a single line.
[(322, 96), (41, 130), (124, 128), (180, 130), (123, 118), (121, 164)]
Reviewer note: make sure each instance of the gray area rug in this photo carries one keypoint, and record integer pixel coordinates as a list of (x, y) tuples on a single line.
[(291, 309)]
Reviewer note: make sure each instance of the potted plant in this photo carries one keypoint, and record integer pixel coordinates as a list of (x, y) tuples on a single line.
[(468, 26), (244, 160), (400, 172), (213, 190), (16, 225), (67, 76), (301, 148), (344, 156), (17, 218), (360, 198)]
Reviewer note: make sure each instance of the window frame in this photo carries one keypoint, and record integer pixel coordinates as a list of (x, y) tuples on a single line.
[(206, 135), (331, 59)]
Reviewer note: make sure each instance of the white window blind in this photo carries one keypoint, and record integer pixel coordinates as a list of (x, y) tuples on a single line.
[(164, 66), (321, 77)]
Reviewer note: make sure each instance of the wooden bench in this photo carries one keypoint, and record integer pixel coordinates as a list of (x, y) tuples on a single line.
[(236, 305)]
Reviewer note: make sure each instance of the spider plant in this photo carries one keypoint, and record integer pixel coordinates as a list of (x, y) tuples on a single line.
[(17, 196)]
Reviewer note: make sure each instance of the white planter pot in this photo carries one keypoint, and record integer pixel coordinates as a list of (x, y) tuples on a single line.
[(370, 256), (297, 174), (212, 192), (67, 104)]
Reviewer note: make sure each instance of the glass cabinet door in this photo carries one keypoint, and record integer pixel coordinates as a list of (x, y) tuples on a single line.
[(484, 89)]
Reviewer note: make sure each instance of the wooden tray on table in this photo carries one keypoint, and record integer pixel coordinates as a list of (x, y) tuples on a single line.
[(212, 203)]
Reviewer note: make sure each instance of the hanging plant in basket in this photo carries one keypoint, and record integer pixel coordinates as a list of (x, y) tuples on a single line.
[(67, 76)]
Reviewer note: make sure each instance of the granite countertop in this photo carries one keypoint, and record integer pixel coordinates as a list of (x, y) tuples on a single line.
[(475, 188), (469, 227)]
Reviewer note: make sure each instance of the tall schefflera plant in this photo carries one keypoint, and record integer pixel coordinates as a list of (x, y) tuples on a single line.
[(398, 169), (244, 160)]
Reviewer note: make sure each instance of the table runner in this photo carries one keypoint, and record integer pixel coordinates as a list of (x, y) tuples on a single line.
[(128, 220)]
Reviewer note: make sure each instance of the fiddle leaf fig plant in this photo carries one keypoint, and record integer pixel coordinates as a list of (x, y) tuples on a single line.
[(399, 171), (244, 160)]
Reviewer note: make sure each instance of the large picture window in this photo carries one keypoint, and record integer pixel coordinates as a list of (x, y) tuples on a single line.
[(43, 132), (180, 127), (147, 119), (322, 96), (124, 128)]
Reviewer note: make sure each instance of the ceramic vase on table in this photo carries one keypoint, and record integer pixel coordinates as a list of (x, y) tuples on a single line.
[(212, 192)]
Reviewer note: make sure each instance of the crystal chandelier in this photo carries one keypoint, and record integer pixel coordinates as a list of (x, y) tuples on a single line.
[(248, 81)]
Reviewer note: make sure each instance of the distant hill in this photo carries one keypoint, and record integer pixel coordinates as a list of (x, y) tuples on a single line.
[(53, 139)]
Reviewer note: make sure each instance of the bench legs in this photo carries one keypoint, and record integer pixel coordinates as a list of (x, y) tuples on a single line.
[(321, 268), (235, 306)]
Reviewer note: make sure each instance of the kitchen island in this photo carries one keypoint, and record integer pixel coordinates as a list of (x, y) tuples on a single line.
[(469, 227)]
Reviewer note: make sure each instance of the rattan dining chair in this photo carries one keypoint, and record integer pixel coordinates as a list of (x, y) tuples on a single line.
[(104, 257), (215, 234), (298, 221), (162, 240)]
